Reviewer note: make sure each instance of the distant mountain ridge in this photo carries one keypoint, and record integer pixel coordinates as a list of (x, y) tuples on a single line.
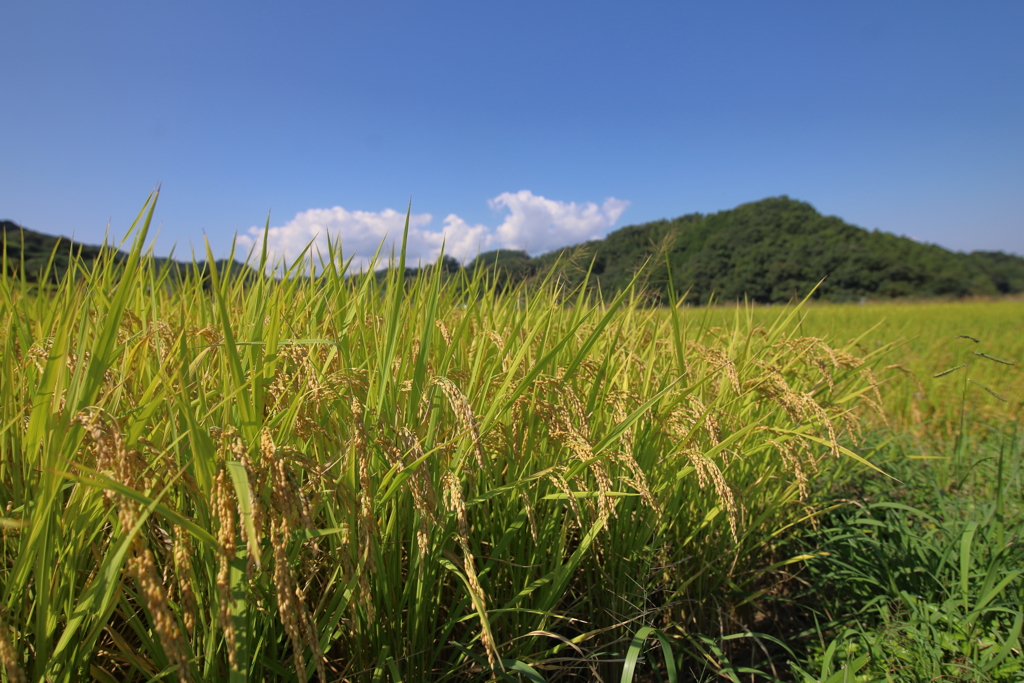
[(34, 249), (772, 250)]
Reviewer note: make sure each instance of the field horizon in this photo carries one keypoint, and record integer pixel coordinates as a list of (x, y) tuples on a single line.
[(776, 250)]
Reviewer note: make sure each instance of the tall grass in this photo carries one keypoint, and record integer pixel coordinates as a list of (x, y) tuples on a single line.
[(354, 479)]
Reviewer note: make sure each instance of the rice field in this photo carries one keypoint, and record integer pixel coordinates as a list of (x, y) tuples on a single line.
[(344, 478), (930, 338)]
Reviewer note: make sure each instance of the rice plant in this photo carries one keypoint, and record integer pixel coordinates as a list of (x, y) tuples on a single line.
[(348, 477)]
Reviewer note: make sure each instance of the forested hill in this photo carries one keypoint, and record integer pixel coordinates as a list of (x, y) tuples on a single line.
[(772, 251), (34, 250)]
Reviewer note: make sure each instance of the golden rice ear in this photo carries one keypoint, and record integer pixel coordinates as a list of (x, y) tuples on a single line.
[(108, 449), (637, 479), (291, 605), (561, 428), (312, 640), (9, 657), (562, 485), (720, 360), (464, 413), (182, 551), (791, 457), (851, 427), (422, 489), (367, 523), (494, 337), (773, 385), (684, 419), (456, 504), (707, 471), (875, 399), (570, 401), (506, 358), (420, 484), (528, 508), (620, 414), (128, 468), (445, 334), (223, 507), (154, 596)]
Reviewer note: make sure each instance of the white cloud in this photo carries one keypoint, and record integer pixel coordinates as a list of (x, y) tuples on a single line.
[(534, 224), (356, 234)]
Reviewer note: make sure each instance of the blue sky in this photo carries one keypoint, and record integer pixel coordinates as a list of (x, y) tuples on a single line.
[(522, 124)]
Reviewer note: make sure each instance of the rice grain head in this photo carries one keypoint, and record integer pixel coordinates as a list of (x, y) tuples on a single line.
[(571, 400), (790, 456), (366, 523), (128, 468), (773, 385), (620, 414), (366, 520), (445, 334), (9, 657), (562, 485), (637, 479), (874, 400), (561, 428), (719, 360), (456, 504), (312, 639), (292, 512), (224, 509), (706, 418), (154, 597), (183, 572), (708, 471), (506, 357), (464, 413), (528, 507), (288, 605)]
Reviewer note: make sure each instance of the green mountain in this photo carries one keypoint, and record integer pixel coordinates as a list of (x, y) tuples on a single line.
[(773, 250), (33, 250)]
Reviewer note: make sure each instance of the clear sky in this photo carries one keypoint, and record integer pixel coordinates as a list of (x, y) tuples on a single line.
[(526, 124)]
